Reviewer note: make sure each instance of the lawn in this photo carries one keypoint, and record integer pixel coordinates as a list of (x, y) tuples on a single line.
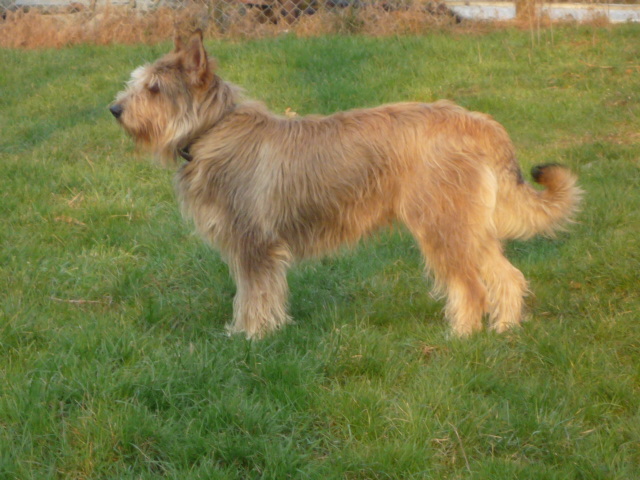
[(114, 362)]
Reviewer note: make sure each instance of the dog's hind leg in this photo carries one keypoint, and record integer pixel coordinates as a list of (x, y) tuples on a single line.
[(451, 221), (260, 304), (461, 249), (452, 258), (457, 275), (506, 287)]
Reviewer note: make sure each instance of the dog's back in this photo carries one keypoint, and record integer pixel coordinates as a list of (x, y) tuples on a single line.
[(326, 166)]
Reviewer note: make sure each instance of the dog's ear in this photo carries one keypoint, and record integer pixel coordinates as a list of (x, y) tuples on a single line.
[(195, 60)]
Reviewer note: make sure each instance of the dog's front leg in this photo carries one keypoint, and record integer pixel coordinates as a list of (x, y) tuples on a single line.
[(260, 304)]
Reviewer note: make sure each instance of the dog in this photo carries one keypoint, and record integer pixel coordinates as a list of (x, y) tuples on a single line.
[(267, 190)]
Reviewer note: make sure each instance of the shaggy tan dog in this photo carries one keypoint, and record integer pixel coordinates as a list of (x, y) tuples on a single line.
[(267, 190)]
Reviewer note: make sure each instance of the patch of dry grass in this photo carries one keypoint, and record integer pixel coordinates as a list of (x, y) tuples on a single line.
[(234, 20), (110, 25), (34, 29)]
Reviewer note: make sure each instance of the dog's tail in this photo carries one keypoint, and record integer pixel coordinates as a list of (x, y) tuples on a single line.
[(523, 211)]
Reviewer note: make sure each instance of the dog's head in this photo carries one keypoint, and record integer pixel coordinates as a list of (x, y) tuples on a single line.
[(167, 104)]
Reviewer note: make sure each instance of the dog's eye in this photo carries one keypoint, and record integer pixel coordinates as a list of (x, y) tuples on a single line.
[(153, 87)]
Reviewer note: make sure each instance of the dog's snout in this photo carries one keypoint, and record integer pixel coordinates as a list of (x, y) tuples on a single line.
[(116, 110)]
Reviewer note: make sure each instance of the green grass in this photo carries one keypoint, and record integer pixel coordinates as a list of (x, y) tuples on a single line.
[(113, 357)]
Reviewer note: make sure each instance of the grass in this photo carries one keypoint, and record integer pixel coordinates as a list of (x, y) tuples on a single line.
[(113, 357)]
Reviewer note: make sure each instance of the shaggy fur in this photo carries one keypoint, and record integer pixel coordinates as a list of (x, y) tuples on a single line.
[(267, 190)]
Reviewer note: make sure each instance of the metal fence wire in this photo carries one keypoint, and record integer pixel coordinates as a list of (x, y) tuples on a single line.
[(54, 23), (264, 11), (289, 11), (91, 20)]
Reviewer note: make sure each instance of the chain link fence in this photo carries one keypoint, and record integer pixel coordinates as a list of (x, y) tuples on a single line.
[(35, 23), (47, 23)]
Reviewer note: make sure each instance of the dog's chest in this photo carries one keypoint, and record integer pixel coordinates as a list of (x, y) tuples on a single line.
[(201, 200)]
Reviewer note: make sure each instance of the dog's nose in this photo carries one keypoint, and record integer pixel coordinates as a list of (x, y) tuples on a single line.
[(116, 110)]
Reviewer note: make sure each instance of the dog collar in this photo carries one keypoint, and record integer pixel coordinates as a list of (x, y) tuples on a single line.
[(184, 153)]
